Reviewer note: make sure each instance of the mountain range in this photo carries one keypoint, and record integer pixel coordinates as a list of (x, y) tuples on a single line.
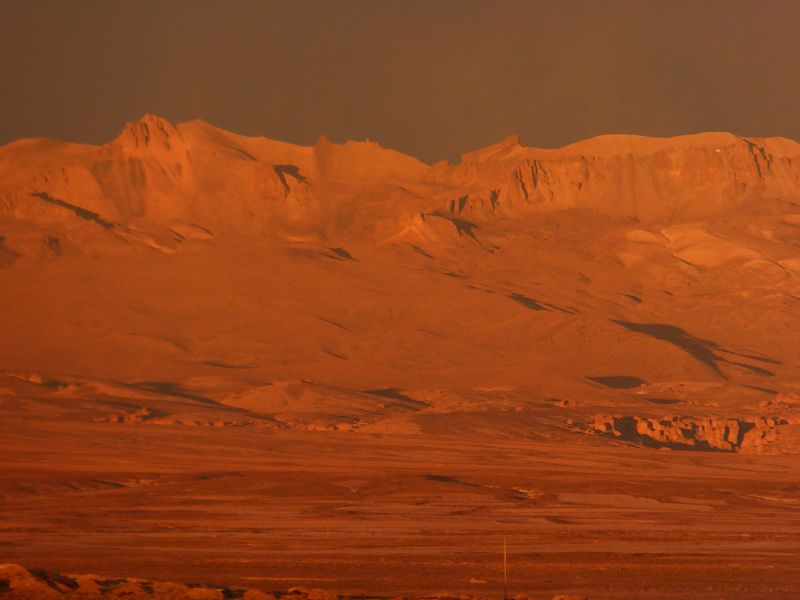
[(231, 348)]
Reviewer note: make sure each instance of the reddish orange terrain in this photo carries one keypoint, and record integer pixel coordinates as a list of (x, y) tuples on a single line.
[(236, 364)]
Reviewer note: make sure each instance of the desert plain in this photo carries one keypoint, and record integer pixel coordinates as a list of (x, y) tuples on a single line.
[(241, 362)]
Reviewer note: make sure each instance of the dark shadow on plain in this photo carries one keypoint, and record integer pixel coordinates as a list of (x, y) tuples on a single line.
[(86, 215), (706, 351), (698, 348), (761, 389), (663, 401), (527, 302), (463, 226), (446, 479), (341, 252), (419, 250), (618, 382), (396, 394), (292, 170), (569, 311), (763, 359), (224, 365), (167, 388), (752, 368)]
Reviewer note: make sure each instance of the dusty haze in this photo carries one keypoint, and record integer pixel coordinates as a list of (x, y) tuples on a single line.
[(430, 79), (246, 351)]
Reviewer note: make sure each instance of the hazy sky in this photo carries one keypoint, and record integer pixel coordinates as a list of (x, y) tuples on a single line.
[(432, 78)]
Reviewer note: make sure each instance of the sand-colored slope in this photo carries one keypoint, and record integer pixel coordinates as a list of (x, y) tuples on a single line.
[(155, 175), (527, 302), (177, 252), (226, 358)]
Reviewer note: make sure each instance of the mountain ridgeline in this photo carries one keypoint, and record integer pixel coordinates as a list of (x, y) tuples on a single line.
[(158, 182)]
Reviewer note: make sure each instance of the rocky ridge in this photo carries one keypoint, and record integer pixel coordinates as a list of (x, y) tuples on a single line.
[(754, 435), (158, 184)]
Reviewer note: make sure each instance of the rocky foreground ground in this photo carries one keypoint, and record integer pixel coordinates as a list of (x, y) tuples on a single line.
[(19, 583)]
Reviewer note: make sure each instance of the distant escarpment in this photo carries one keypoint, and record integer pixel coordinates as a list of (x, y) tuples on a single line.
[(646, 178), (158, 184)]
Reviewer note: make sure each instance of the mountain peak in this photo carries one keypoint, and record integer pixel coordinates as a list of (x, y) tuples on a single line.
[(506, 147), (511, 140), (149, 131)]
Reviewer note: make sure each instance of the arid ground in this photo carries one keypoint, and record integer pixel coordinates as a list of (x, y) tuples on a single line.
[(241, 362)]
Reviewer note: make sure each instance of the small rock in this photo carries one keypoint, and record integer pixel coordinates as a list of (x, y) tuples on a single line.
[(169, 591), (320, 594), (203, 594), (19, 580), (257, 595), (87, 585), (298, 591)]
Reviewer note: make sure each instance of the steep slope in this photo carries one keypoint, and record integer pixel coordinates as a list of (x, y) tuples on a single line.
[(362, 266), (647, 178), (235, 360), (157, 184), (156, 181)]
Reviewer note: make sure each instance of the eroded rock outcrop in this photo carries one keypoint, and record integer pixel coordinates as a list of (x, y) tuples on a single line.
[(755, 435), (646, 178), (156, 176), (19, 583)]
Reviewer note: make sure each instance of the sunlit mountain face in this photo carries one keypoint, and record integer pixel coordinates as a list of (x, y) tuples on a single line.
[(238, 361)]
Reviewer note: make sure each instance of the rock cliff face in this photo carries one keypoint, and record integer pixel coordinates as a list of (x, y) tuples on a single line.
[(18, 583), (756, 435), (440, 256), (155, 176), (646, 178)]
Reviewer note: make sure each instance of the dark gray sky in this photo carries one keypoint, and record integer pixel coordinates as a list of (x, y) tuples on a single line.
[(433, 78)]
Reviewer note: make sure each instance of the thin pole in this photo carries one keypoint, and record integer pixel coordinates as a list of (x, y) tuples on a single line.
[(505, 569)]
